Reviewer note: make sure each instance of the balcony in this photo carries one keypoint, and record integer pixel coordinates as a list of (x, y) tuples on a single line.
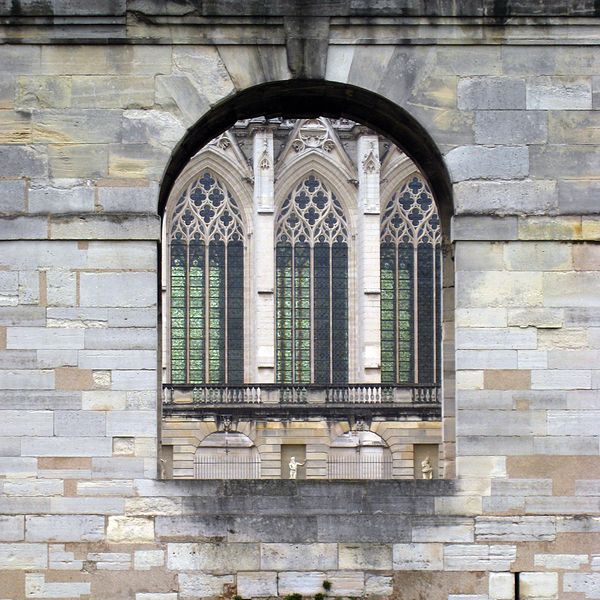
[(284, 402)]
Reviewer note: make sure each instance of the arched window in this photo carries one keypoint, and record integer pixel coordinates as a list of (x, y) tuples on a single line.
[(311, 248), (206, 258), (411, 286)]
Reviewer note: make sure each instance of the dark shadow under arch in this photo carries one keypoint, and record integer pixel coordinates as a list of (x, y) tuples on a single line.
[(312, 98)]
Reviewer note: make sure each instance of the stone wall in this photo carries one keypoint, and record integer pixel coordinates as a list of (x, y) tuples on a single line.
[(87, 131)]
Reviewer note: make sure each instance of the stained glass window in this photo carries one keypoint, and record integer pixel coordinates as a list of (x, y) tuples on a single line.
[(311, 261), (207, 285), (411, 286)]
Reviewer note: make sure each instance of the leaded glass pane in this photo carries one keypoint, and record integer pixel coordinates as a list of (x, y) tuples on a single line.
[(312, 286), (207, 283), (410, 286)]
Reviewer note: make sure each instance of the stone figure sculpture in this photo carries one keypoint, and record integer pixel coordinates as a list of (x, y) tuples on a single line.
[(426, 468), (293, 465)]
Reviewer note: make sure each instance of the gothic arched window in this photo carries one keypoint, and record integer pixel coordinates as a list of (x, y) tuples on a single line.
[(411, 286), (311, 257), (206, 243)]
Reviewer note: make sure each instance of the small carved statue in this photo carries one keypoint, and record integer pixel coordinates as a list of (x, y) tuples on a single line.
[(426, 468), (293, 465)]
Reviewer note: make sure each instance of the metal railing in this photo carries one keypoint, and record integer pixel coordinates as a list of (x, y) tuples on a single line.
[(284, 394), (363, 467), (227, 466)]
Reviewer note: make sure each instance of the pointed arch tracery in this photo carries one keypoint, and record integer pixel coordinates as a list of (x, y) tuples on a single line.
[(410, 255), (206, 244), (311, 257)]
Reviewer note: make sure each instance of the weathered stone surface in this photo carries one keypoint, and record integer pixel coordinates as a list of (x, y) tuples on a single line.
[(506, 198), (538, 586), (514, 529), (365, 556), (111, 92), (104, 227), (23, 161), (461, 557), (64, 528), (511, 127), (12, 195), (501, 586), (117, 289), (491, 93), (484, 228), (143, 198), (568, 562), (127, 530), (23, 556), (418, 557), (202, 585), (61, 200), (77, 160), (488, 162), (12, 528), (559, 93), (300, 582), (257, 584), (288, 556), (585, 583), (43, 92)]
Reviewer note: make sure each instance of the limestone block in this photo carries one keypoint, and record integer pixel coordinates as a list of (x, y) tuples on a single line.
[(44, 200), (12, 195), (479, 256), (128, 317), (475, 338), (103, 400), (24, 379), (494, 422), (574, 422), (66, 446), (365, 556), (147, 559), (131, 422), (491, 93), (481, 317), (138, 161), (202, 585), (23, 556), (564, 562), (560, 379), (585, 583), (379, 585), (98, 506), (579, 127), (23, 228), (104, 227), (478, 445), (153, 506), (578, 524), (538, 586), (85, 161), (64, 528), (559, 93), (117, 467), (156, 596), (481, 289), (111, 92), (12, 528), (61, 288), (306, 583), (141, 400), (507, 379), (23, 161), (43, 92), (565, 445), (488, 162), (442, 529), (257, 584), (486, 359), (590, 228), (214, 557), (117, 359), (418, 557), (151, 127), (37, 587), (33, 487), (9, 288), (288, 556), (117, 289), (522, 487), (545, 256), (43, 338), (459, 505), (561, 160), (550, 228), (116, 487), (17, 466), (178, 94), (511, 127), (142, 198), (515, 529), (76, 126), (120, 339), (484, 228), (469, 380), (15, 127), (347, 583), (7, 92), (134, 380), (121, 529), (501, 586), (79, 423), (472, 557), (571, 289)]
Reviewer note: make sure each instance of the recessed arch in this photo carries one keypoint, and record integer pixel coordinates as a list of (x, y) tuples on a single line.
[(310, 99)]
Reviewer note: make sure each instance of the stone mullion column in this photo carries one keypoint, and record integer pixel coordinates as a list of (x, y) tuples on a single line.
[(263, 305), (368, 263)]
